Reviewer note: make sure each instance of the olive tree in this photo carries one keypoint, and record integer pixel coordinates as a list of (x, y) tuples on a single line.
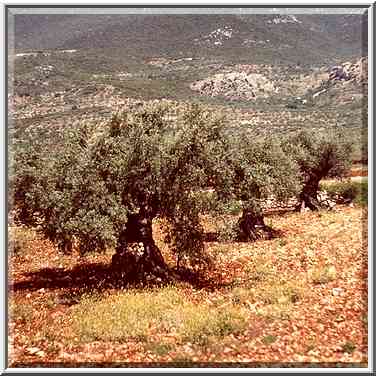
[(260, 170), (102, 185), (319, 155)]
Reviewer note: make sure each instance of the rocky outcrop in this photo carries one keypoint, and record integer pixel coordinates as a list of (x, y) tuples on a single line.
[(348, 71), (284, 19), (216, 37), (339, 73), (235, 86)]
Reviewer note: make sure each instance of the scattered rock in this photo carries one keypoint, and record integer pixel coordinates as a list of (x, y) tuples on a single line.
[(35, 351), (284, 19), (338, 73), (66, 300), (216, 37), (318, 93), (337, 291), (325, 200), (45, 69)]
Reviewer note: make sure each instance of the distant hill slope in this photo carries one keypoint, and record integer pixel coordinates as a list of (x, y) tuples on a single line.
[(280, 39)]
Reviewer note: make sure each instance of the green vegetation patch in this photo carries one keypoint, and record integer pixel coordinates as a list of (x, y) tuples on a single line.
[(135, 315), (349, 347), (276, 294), (323, 274), (269, 339), (355, 191)]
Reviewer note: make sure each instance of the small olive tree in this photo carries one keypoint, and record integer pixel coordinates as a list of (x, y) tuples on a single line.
[(319, 155), (101, 185), (260, 170)]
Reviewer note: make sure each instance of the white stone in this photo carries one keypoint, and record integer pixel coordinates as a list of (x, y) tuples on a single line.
[(32, 350), (337, 291)]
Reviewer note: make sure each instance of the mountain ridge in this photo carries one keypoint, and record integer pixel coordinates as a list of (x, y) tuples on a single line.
[(314, 39)]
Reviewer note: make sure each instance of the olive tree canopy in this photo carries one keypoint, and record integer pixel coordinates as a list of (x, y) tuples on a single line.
[(319, 155), (262, 170), (100, 185)]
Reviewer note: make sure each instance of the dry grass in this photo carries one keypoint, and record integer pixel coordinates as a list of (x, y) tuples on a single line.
[(20, 240), (323, 274), (132, 315)]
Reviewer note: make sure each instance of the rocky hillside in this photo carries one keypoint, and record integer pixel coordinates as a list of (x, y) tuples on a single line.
[(270, 73), (252, 82), (351, 71), (235, 86)]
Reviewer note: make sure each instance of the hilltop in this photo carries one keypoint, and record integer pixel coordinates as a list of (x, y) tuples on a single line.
[(281, 39)]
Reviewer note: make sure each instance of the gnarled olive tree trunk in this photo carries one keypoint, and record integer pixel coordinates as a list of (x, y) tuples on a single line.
[(308, 195), (251, 226), (147, 260)]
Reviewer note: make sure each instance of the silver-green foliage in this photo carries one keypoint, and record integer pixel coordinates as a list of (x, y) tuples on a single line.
[(262, 170), (319, 155), (81, 185), (325, 154)]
